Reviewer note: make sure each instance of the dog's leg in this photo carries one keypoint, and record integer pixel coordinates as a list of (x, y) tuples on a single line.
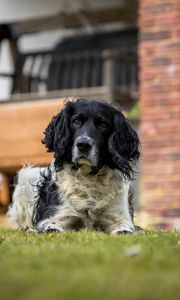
[(120, 219), (49, 225), (121, 226), (124, 228)]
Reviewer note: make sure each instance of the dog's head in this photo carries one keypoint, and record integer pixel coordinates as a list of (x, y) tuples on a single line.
[(92, 134)]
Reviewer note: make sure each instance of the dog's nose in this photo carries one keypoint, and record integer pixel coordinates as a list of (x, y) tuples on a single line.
[(84, 144)]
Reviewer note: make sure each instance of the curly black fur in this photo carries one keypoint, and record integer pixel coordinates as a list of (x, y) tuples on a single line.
[(48, 198), (124, 146), (120, 148), (58, 137)]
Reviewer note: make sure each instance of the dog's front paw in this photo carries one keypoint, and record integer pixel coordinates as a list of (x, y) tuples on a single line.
[(123, 229), (49, 226)]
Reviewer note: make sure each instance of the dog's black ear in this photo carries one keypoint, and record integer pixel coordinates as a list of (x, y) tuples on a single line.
[(124, 145), (57, 135)]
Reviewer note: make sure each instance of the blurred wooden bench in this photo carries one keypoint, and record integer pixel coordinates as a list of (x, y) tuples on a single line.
[(22, 125)]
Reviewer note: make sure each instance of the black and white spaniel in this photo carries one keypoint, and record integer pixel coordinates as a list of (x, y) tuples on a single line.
[(88, 184)]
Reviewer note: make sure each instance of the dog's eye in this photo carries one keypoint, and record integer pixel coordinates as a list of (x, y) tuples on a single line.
[(103, 125), (77, 122)]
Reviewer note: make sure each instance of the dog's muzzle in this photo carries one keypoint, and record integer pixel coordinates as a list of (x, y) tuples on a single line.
[(85, 151)]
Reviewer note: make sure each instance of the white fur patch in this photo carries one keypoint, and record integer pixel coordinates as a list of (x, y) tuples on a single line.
[(24, 197), (100, 198)]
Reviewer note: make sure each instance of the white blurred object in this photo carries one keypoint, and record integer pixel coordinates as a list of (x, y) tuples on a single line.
[(134, 250)]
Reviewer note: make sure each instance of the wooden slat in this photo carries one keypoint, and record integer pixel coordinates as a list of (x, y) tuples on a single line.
[(126, 12), (21, 130), (76, 92), (4, 190), (86, 70), (95, 69)]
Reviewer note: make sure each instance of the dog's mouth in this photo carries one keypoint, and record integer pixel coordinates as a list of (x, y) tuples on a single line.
[(82, 160), (85, 166)]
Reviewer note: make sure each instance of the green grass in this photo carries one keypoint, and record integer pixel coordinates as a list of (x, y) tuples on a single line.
[(89, 265)]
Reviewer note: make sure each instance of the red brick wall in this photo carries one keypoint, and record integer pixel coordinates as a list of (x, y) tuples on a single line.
[(159, 57)]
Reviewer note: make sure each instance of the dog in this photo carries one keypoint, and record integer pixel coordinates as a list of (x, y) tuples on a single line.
[(88, 183)]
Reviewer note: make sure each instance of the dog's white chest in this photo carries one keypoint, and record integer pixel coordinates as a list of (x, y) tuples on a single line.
[(88, 195)]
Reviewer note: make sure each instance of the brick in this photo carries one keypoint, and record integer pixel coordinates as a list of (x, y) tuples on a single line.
[(149, 36), (160, 61), (157, 7), (158, 116), (168, 99), (172, 212), (174, 46), (168, 19)]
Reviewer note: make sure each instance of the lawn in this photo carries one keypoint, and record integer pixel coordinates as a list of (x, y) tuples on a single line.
[(89, 265)]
